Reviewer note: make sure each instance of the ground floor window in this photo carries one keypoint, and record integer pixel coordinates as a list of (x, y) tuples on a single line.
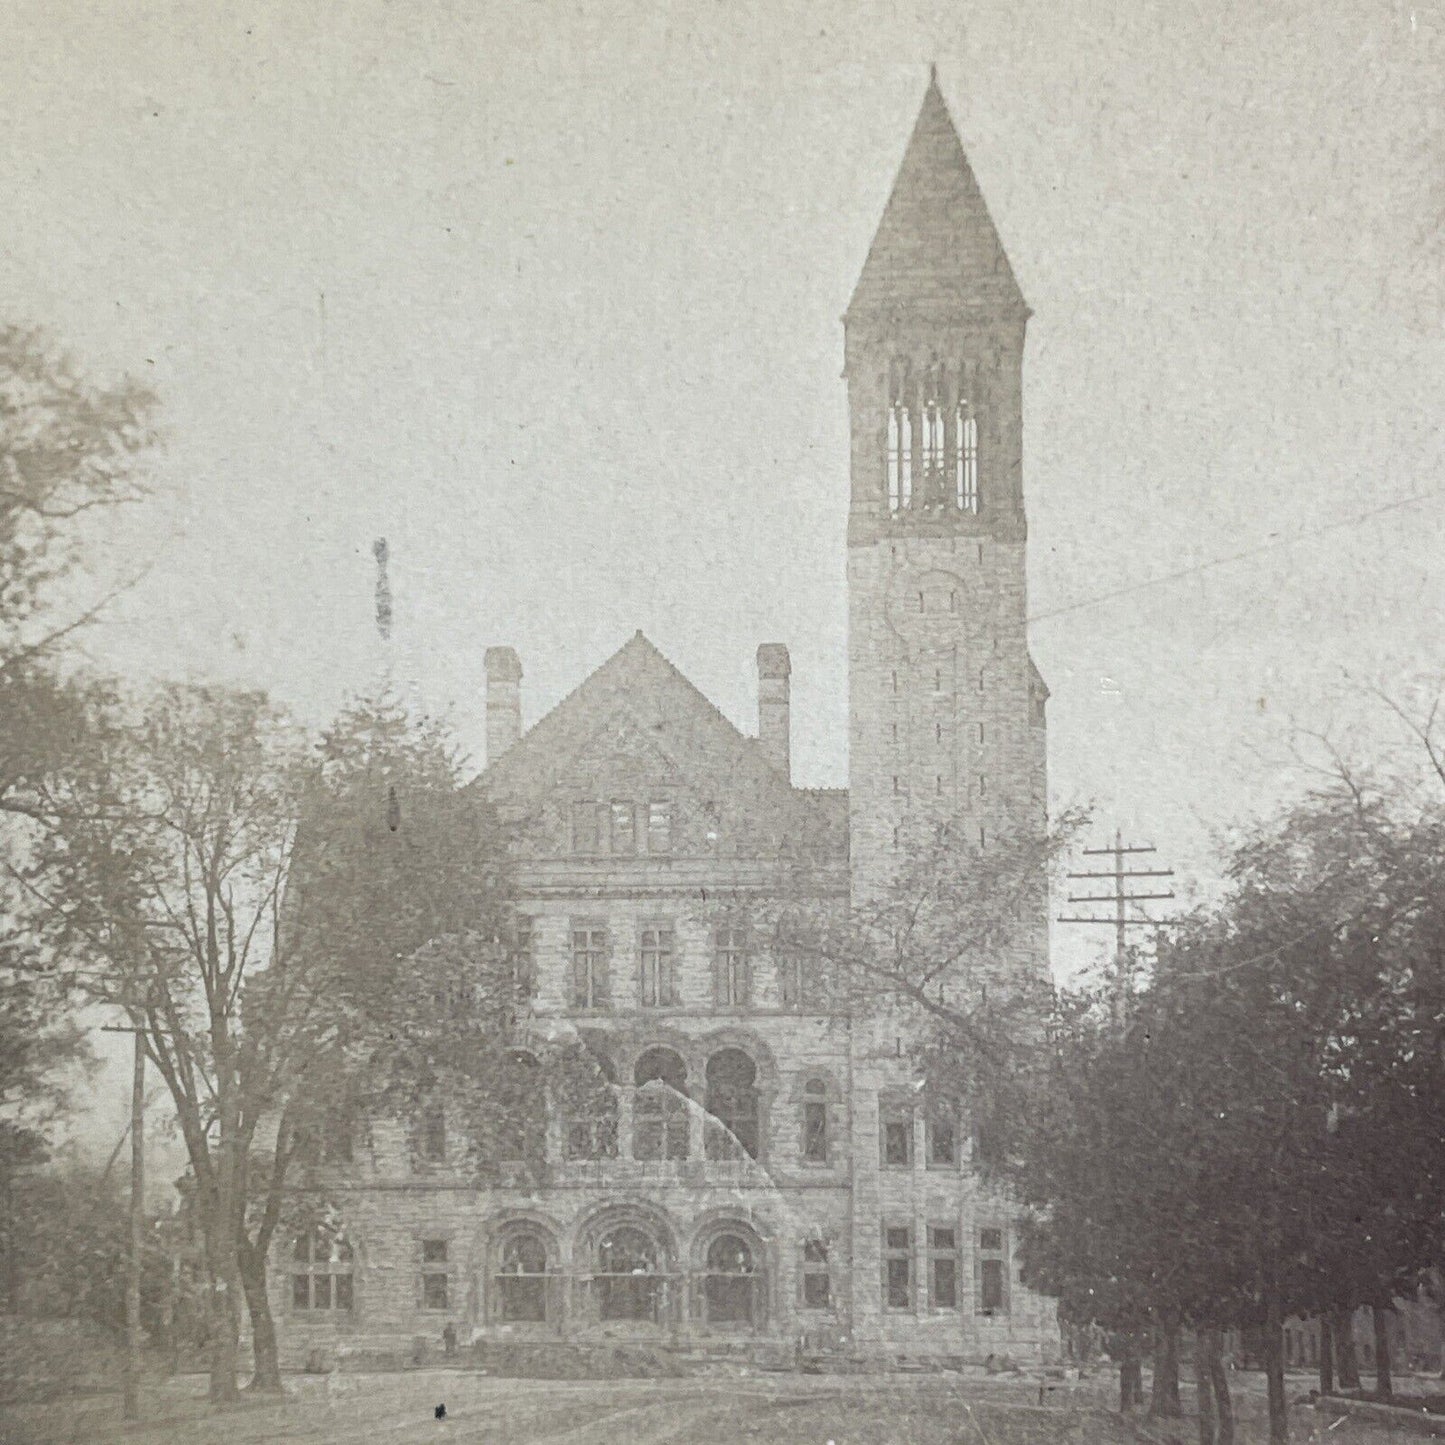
[(434, 1274), (942, 1267), (627, 1281), (992, 1271), (321, 1271), (730, 1283), (521, 1279), (817, 1287), (897, 1267)]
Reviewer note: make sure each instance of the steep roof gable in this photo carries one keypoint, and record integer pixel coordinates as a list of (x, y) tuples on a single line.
[(936, 244), (659, 704)]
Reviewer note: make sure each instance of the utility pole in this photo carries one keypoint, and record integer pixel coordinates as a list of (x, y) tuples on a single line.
[(136, 1263), (137, 1231), (1121, 920)]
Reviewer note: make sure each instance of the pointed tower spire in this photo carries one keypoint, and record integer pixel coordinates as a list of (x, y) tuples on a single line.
[(936, 245)]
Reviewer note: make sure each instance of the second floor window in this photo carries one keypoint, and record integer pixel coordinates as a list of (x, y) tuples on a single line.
[(589, 967), (792, 982), (895, 1137), (524, 964), (659, 982), (942, 1143), (434, 1134), (732, 972), (815, 1122)]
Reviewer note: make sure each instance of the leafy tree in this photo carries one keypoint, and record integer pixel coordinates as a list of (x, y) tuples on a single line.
[(68, 456)]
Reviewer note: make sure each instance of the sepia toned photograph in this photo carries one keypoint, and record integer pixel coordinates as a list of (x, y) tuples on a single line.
[(722, 722)]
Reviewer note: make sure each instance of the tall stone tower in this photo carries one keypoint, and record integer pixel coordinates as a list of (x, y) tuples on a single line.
[(946, 707)]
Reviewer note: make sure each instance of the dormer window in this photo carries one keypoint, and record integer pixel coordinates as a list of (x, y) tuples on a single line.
[(624, 828), (659, 827)]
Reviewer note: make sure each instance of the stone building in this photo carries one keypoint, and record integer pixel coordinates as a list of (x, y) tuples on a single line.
[(766, 1172)]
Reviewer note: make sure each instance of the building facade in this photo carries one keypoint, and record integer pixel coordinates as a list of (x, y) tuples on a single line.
[(765, 1171)]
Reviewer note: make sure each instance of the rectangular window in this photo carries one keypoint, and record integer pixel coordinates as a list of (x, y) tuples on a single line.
[(593, 1138), (659, 984), (815, 1131), (942, 1144), (624, 828), (434, 1274), (792, 982), (992, 1271), (586, 827), (434, 1135), (524, 962), (942, 1267), (896, 1137), (659, 827), (897, 1267), (589, 967), (817, 1287), (732, 972)]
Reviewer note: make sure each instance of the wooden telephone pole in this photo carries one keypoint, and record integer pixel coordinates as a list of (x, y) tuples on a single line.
[(134, 1357), (1122, 919)]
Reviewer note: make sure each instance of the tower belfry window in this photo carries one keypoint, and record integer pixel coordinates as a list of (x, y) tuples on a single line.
[(965, 458), (901, 423)]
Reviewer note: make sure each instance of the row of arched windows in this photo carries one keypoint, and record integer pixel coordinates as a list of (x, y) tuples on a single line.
[(626, 1276), (670, 1118)]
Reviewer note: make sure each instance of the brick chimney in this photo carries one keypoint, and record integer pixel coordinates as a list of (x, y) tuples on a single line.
[(504, 701), (774, 725)]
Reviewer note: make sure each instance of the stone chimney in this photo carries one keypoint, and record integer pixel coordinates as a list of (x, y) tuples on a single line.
[(504, 701), (774, 725)]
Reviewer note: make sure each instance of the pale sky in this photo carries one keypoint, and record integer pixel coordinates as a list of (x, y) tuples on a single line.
[(549, 295)]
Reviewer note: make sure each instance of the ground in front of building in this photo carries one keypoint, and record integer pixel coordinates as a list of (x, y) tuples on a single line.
[(399, 1409)]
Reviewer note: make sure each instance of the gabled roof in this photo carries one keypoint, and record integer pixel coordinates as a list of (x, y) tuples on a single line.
[(639, 704), (936, 244)]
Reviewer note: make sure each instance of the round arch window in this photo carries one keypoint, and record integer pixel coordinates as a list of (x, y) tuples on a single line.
[(730, 1284), (627, 1278), (732, 1100), (521, 1277), (659, 1112)]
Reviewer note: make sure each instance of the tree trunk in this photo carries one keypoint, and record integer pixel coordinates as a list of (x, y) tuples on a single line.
[(1274, 1370), (225, 1347), (1204, 1385), (1327, 1357), (267, 1375), (1223, 1406), (1347, 1365), (1164, 1392), (1131, 1375), (1383, 1383)]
